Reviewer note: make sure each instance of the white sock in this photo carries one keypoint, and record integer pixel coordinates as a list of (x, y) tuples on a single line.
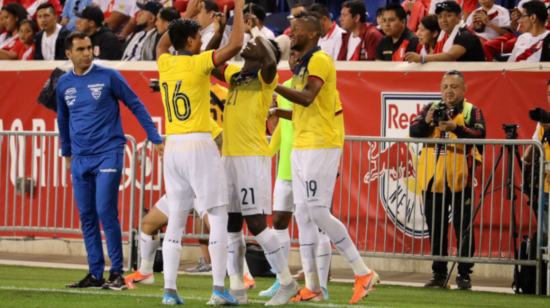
[(274, 255), (171, 249), (235, 260), (309, 241), (338, 234), (324, 254), (148, 248), (218, 243), (246, 270), (284, 239)]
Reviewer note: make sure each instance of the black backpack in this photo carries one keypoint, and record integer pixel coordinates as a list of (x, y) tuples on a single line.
[(525, 279)]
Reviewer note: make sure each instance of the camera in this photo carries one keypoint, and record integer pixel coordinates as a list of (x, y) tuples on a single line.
[(539, 115), (440, 113), (154, 85)]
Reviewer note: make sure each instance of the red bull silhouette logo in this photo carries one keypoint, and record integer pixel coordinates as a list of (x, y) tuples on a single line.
[(396, 159)]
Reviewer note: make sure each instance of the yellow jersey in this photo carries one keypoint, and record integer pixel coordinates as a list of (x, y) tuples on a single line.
[(216, 129), (185, 87), (314, 126), (245, 112)]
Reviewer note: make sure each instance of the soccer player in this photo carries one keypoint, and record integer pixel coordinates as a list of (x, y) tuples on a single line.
[(315, 156), (193, 167), (248, 164), (92, 142), (283, 203)]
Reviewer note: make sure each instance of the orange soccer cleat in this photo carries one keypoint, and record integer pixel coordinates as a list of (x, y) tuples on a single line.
[(137, 277), (249, 284), (307, 295), (362, 286)]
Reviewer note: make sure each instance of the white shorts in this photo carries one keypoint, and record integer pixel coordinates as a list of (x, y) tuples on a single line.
[(248, 184), (314, 175), (282, 196), (193, 168), (162, 205)]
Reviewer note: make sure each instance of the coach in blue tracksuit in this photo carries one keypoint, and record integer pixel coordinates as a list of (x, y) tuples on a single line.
[(92, 142)]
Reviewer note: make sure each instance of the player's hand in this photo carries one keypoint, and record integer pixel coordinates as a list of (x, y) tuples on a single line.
[(447, 126), (239, 4), (194, 7), (68, 161), (430, 116), (409, 5), (220, 20), (160, 150), (413, 57)]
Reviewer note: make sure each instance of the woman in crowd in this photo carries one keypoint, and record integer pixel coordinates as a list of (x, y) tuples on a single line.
[(428, 32), (11, 16), (24, 50)]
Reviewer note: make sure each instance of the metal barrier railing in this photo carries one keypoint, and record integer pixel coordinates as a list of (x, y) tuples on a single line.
[(383, 205), (36, 193)]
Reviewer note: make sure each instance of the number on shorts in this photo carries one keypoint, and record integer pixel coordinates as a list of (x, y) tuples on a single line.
[(245, 191), (311, 186), (175, 98)]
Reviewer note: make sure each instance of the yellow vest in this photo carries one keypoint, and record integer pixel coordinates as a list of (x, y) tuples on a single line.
[(457, 179), (546, 154)]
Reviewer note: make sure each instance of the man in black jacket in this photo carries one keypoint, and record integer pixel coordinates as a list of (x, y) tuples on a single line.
[(50, 42), (104, 42)]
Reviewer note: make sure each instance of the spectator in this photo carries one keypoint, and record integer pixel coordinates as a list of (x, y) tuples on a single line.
[(456, 42), (68, 16), (118, 13), (489, 21), (24, 49), (145, 27), (130, 25), (104, 42), (428, 32), (32, 5), (331, 38), (296, 8), (380, 17), (399, 39), (50, 42), (529, 45), (361, 39), (164, 17), (443, 188), (416, 10), (206, 19), (468, 5), (284, 45), (11, 16), (260, 14)]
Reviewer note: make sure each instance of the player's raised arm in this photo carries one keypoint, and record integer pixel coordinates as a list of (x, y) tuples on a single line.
[(304, 97), (235, 39)]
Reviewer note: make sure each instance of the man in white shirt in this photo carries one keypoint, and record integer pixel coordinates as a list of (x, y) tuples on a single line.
[(259, 12), (117, 12), (529, 45), (360, 41), (146, 20), (331, 38), (206, 19), (50, 42), (489, 21)]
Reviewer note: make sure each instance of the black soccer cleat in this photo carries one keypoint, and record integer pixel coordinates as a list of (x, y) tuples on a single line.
[(116, 282), (464, 282), (89, 282), (438, 281)]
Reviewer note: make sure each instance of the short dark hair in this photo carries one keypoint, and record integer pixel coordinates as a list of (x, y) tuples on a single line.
[(210, 6), (277, 50), (17, 10), (179, 30), (46, 5), (258, 11), (430, 23), (356, 7), (69, 39), (312, 19), (455, 73), (32, 24), (320, 9), (380, 10), (169, 13), (398, 9), (536, 8)]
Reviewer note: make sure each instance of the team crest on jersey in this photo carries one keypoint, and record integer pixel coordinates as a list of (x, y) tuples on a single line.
[(247, 81), (96, 89)]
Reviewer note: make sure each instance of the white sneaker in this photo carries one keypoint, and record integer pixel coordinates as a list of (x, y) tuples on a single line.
[(284, 294)]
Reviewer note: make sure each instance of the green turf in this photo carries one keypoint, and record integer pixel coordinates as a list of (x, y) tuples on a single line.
[(196, 290)]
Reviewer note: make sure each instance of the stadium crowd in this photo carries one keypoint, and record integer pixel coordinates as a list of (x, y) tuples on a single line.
[(415, 31)]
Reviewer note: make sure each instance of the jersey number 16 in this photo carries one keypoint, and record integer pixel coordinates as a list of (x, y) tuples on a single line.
[(177, 97)]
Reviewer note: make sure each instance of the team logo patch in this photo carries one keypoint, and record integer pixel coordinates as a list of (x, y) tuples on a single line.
[(70, 91), (96, 89)]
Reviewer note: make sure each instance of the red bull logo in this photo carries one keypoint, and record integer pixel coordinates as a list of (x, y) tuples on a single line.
[(396, 160)]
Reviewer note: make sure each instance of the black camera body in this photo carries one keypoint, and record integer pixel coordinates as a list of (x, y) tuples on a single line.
[(440, 113), (540, 115)]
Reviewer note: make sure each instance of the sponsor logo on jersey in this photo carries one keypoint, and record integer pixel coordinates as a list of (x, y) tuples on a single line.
[(70, 91), (96, 89)]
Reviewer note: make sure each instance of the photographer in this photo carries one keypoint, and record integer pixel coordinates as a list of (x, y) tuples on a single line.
[(452, 118), (542, 134)]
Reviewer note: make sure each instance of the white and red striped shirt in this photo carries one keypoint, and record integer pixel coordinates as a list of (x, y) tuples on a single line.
[(528, 48)]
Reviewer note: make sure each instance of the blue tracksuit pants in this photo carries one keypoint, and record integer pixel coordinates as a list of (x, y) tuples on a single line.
[(95, 181)]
